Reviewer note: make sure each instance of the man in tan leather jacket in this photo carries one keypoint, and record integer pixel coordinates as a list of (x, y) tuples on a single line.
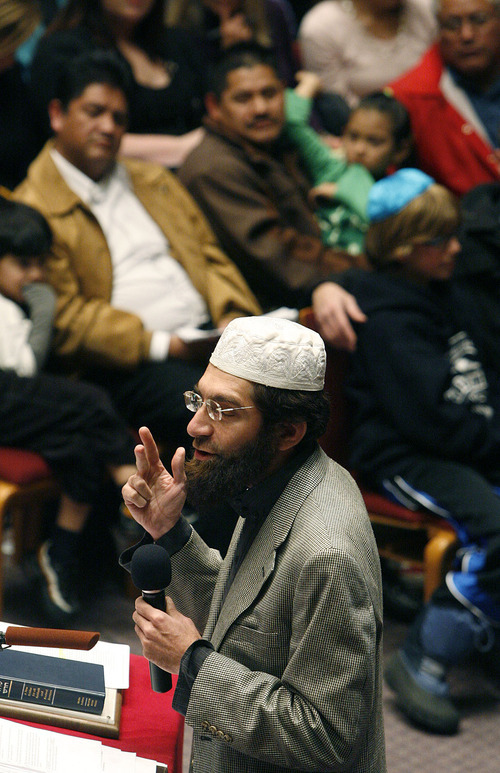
[(135, 265)]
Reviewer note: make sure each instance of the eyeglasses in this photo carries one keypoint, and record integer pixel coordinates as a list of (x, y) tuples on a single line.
[(194, 402), (455, 23)]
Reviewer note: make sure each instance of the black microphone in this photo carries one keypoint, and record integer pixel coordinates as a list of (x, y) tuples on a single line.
[(151, 573)]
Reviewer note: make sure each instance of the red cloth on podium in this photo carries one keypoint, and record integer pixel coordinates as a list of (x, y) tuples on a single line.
[(149, 726)]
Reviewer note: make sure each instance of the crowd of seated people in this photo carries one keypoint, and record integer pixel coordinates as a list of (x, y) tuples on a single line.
[(187, 171), (167, 45), (133, 261)]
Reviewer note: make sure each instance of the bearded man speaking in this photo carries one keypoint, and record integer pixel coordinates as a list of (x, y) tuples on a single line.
[(277, 646)]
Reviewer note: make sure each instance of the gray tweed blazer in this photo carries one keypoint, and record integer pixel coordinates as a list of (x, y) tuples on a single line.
[(295, 679)]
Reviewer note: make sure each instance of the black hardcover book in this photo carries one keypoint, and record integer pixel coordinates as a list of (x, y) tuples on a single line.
[(49, 681)]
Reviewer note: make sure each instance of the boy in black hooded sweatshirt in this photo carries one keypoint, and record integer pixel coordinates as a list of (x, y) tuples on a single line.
[(426, 427)]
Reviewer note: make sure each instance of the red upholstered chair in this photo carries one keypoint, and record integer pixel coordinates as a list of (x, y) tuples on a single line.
[(26, 484), (402, 535)]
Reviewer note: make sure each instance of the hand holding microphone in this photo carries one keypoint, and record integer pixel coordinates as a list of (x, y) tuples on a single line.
[(168, 636), (151, 573)]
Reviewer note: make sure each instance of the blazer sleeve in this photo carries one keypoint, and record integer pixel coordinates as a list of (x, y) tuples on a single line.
[(195, 569)]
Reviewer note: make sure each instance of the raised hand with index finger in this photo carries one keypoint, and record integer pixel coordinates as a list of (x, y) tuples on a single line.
[(153, 496)]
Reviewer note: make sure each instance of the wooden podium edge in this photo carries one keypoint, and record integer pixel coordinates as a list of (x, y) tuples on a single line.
[(106, 725)]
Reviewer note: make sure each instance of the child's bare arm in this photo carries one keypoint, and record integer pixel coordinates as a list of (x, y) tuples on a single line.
[(308, 84), (323, 192)]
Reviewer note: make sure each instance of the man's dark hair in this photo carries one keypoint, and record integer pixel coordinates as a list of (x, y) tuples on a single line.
[(239, 55), (24, 232), (291, 405), (393, 109), (103, 67)]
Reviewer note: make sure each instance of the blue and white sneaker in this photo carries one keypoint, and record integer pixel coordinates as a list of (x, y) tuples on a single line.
[(471, 559), (464, 587)]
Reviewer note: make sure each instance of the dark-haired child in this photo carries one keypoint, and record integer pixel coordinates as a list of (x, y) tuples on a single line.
[(72, 425), (426, 427), (376, 140)]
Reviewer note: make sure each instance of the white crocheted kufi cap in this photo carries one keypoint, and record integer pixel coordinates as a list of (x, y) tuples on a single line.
[(272, 351)]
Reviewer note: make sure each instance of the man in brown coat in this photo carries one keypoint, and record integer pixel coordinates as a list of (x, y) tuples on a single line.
[(247, 181)]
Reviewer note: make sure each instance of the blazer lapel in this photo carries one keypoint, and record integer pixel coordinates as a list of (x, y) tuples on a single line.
[(259, 563), (222, 578)]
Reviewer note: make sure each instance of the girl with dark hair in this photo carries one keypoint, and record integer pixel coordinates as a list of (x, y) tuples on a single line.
[(376, 140), (166, 100)]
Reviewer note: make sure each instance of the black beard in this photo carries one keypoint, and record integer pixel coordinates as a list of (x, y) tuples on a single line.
[(212, 481)]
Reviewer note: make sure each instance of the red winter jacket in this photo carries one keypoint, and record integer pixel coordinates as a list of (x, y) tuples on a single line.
[(448, 146)]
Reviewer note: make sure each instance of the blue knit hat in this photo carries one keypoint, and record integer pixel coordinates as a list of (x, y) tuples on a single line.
[(391, 194)]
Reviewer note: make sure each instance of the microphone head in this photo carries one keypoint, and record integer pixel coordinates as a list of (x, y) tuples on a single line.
[(150, 568)]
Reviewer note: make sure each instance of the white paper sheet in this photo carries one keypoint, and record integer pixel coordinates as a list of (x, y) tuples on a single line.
[(189, 334), (31, 750), (26, 749)]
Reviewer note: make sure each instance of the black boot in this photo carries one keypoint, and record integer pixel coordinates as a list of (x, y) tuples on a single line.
[(440, 637)]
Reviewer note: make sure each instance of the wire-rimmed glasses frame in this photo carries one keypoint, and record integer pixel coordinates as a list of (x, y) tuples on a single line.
[(194, 402), (453, 24)]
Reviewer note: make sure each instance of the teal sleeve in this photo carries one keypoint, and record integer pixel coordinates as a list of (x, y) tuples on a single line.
[(317, 158), (353, 188)]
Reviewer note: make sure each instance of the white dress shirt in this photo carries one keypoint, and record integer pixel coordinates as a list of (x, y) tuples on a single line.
[(147, 280)]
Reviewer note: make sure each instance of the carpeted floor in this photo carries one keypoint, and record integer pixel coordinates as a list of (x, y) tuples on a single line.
[(475, 749)]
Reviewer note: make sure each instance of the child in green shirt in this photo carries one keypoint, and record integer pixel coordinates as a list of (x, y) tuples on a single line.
[(376, 139)]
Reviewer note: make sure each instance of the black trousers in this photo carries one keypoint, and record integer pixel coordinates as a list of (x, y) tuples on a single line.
[(71, 424)]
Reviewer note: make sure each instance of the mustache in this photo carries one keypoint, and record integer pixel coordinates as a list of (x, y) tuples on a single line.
[(263, 117), (203, 444)]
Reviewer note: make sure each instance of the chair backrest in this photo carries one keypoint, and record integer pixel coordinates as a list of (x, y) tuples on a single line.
[(22, 467)]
